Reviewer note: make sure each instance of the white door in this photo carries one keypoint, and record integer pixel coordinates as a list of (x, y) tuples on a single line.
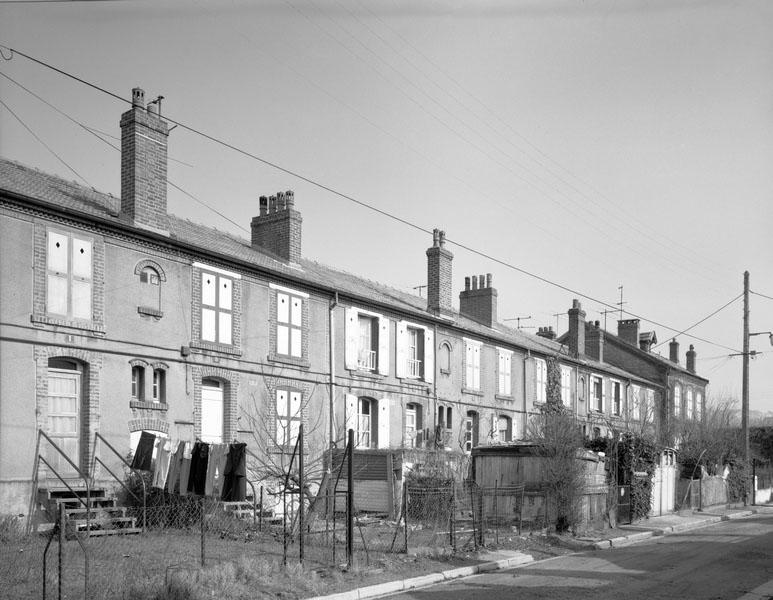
[(212, 413), (63, 425)]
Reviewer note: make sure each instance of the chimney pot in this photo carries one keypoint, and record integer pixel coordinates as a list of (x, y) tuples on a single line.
[(474, 282), (138, 97), (442, 238), (435, 238), (467, 283), (488, 280), (263, 203), (481, 281)]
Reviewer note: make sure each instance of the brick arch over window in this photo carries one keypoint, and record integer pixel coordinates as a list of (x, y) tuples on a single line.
[(153, 265), (148, 424), (230, 382), (90, 393)]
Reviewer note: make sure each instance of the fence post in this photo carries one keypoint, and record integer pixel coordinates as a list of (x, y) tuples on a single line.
[(203, 532), (300, 493), (350, 499), (260, 514), (496, 512), (61, 547), (754, 481), (452, 532)]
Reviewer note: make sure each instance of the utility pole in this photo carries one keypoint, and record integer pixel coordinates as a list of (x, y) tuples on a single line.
[(745, 375)]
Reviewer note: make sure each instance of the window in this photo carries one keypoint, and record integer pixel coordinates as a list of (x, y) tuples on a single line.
[(597, 393), (504, 429), (472, 364), (636, 397), (368, 346), (677, 401), (566, 385), (289, 324), (288, 417), (504, 370), (581, 392), (211, 411), (149, 293), (138, 383), (596, 433), (159, 385), (689, 404), (68, 276), (216, 308), (698, 405), (649, 404), (367, 341), (616, 398), (470, 431), (365, 409), (541, 370), (415, 352), (412, 424)]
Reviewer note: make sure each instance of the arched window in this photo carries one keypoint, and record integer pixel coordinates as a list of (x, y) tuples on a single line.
[(150, 276), (138, 383), (159, 385)]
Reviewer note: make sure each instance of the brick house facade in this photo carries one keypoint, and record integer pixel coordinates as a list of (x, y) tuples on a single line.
[(123, 318)]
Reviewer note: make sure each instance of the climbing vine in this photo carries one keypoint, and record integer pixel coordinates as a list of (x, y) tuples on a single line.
[(553, 391), (637, 457)]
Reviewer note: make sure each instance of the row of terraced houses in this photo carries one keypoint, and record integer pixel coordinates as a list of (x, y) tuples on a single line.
[(117, 317)]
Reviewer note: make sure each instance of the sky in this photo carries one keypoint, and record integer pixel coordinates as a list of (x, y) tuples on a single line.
[(567, 147)]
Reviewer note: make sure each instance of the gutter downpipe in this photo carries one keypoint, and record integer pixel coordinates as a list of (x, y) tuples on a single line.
[(331, 391), (435, 377), (525, 400)]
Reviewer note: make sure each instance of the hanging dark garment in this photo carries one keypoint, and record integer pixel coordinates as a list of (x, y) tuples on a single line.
[(198, 476), (235, 474), (185, 469), (175, 464), (143, 455)]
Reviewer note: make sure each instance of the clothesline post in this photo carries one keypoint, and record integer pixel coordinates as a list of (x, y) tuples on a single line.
[(203, 536)]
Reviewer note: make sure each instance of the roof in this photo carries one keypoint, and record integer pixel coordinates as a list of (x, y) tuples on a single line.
[(76, 199), (650, 356)]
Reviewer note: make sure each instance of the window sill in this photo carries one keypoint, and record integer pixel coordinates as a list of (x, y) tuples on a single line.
[(92, 326), (215, 347), (149, 405), (505, 397), (362, 374), (289, 360), (472, 392), (445, 371), (150, 312)]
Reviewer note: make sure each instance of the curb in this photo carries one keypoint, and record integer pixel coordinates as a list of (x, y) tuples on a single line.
[(390, 587)]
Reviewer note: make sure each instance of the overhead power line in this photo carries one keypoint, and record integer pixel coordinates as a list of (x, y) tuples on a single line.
[(762, 295), (706, 318), (361, 203)]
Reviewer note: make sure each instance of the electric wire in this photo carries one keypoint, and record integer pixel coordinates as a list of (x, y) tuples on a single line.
[(706, 318), (761, 295), (363, 204), (47, 147)]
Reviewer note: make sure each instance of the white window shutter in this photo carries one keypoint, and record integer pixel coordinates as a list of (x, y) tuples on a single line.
[(468, 366), (351, 334), (401, 348), (350, 416), (383, 346), (383, 423), (429, 355), (603, 395)]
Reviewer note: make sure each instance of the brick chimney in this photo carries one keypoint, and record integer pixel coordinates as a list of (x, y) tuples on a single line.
[(439, 283), (479, 302), (628, 331), (647, 340), (277, 229), (690, 359), (594, 341), (576, 329), (143, 164), (673, 351), (547, 332)]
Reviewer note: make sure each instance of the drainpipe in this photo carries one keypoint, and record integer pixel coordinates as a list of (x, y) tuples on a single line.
[(525, 410), (331, 393), (435, 376)]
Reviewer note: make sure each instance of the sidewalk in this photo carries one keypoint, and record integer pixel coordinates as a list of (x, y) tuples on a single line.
[(505, 559)]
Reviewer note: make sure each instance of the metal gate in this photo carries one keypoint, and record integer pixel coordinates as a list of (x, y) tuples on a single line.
[(624, 504)]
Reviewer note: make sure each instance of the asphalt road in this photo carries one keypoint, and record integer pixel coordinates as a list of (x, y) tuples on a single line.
[(728, 560)]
